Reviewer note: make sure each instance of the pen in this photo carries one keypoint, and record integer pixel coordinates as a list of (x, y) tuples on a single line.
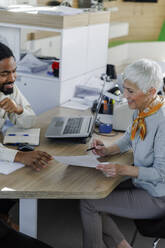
[(13, 134), (92, 148)]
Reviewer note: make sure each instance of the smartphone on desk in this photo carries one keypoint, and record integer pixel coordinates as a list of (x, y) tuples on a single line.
[(25, 147)]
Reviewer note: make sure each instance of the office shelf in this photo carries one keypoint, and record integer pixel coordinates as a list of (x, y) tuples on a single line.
[(82, 52)]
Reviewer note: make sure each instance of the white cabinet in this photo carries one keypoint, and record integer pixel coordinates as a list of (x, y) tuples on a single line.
[(83, 51), (42, 94), (97, 46), (73, 52), (47, 46)]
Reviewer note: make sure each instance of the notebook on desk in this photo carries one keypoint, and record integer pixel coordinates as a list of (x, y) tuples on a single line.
[(16, 135), (73, 127)]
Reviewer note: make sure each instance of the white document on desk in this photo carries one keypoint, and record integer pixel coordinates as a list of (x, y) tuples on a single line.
[(74, 105), (8, 167), (84, 161), (77, 103)]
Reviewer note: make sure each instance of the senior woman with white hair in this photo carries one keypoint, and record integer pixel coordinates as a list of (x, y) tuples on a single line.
[(142, 196)]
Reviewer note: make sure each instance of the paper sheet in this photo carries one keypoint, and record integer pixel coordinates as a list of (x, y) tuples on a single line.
[(8, 167), (59, 10), (29, 63), (48, 10), (75, 105), (85, 161)]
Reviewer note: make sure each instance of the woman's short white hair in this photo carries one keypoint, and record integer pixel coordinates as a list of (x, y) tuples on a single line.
[(145, 73)]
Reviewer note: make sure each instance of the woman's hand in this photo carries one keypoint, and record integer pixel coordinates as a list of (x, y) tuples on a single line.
[(35, 159), (110, 170), (99, 148), (113, 170)]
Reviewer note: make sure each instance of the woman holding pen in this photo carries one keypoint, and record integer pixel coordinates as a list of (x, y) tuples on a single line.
[(143, 195)]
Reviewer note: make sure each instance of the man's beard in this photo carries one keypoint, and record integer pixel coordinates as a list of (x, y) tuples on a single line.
[(6, 91)]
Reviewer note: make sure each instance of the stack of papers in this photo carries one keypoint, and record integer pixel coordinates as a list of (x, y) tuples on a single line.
[(76, 103), (84, 97), (16, 135), (59, 10), (20, 8), (8, 167), (30, 63)]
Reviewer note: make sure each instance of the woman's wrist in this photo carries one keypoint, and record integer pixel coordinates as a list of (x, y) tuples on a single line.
[(128, 170), (112, 150)]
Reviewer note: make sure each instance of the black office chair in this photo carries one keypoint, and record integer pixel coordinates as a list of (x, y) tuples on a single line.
[(154, 228)]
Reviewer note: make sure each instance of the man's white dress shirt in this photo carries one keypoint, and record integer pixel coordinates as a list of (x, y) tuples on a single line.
[(24, 120)]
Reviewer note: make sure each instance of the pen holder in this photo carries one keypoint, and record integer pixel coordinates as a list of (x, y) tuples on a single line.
[(106, 108)]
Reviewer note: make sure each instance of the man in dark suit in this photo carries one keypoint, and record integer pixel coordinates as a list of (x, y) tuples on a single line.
[(11, 238)]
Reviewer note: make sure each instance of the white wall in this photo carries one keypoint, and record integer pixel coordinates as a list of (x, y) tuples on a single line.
[(126, 53), (118, 54), (152, 50)]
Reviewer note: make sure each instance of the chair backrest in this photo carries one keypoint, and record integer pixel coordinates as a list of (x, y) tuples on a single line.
[(151, 227)]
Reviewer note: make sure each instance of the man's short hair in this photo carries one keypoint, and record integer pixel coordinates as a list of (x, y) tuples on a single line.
[(5, 52)]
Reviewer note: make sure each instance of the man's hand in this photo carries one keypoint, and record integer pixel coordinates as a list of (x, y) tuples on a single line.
[(35, 159), (10, 106)]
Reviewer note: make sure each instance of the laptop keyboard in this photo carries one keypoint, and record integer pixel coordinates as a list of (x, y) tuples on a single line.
[(73, 125)]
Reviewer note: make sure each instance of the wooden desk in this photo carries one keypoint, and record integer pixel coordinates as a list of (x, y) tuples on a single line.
[(57, 180)]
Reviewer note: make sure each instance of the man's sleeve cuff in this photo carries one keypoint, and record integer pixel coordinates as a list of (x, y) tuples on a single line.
[(8, 154)]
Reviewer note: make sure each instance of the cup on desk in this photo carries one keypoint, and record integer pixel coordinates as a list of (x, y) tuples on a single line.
[(29, 121), (105, 128)]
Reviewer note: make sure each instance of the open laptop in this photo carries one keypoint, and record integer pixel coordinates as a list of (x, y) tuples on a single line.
[(74, 127)]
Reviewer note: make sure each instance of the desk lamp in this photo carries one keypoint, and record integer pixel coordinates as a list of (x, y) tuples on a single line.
[(111, 79), (111, 72)]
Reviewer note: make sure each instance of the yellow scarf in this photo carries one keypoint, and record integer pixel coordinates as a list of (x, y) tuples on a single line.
[(139, 122)]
